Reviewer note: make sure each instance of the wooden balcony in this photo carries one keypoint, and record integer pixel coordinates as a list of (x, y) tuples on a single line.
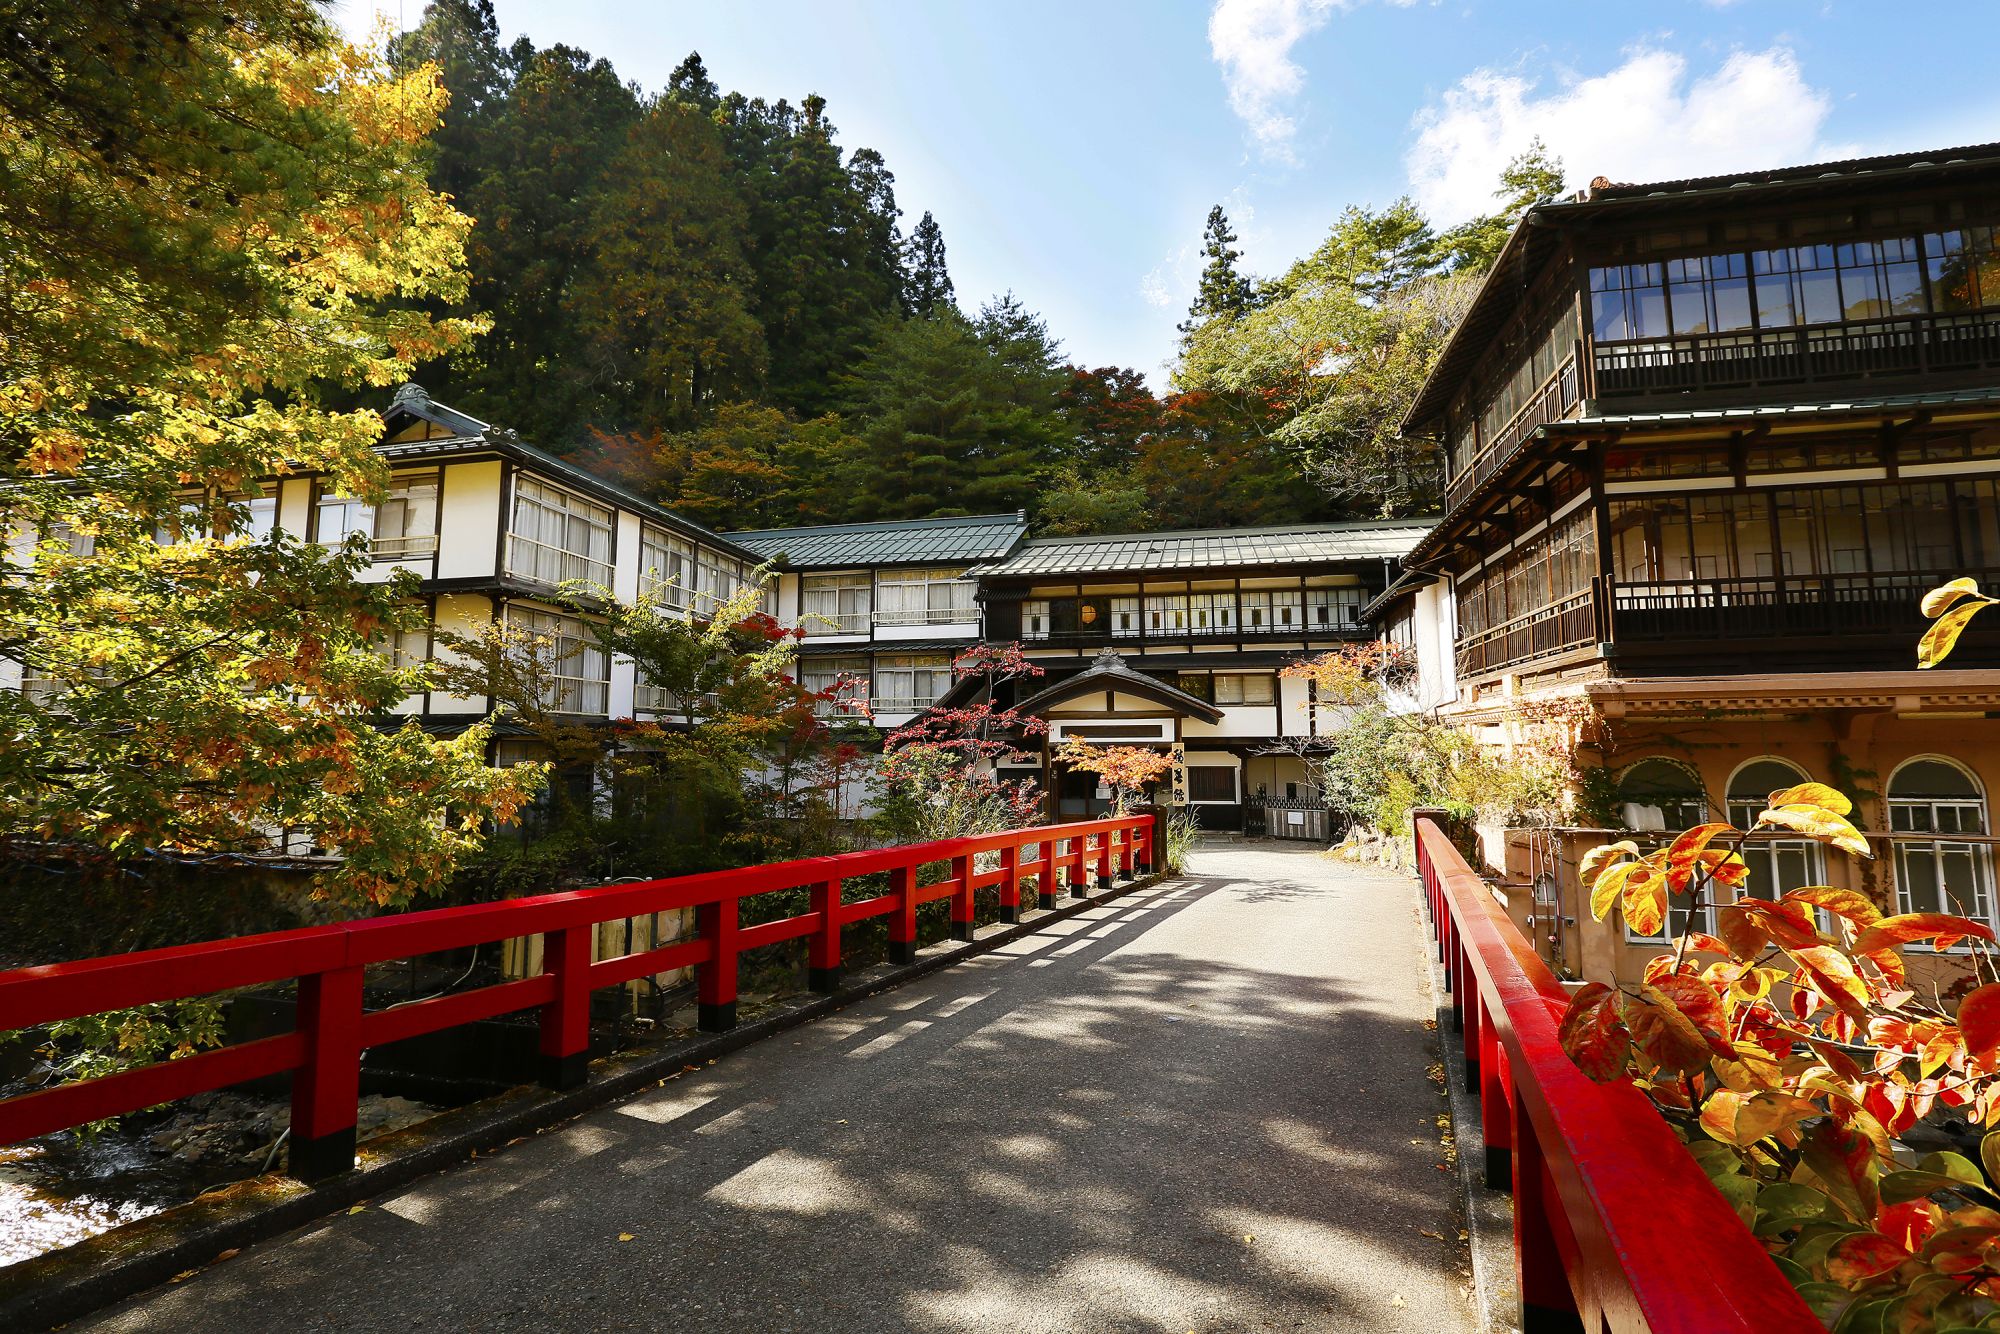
[(1546, 632), (1910, 345), (1775, 607), (1556, 396)]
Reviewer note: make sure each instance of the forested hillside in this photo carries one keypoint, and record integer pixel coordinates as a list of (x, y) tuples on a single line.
[(709, 297)]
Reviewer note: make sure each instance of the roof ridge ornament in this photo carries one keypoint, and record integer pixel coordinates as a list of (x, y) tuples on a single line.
[(1110, 659), (410, 394)]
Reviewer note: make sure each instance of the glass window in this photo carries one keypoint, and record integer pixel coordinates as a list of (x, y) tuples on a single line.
[(666, 567), (925, 597), (1628, 301), (1035, 619), (1125, 618), (1778, 865), (1333, 608), (1167, 614), (1661, 794), (1256, 611), (404, 648), (1963, 269), (406, 523), (908, 682), (835, 603), (556, 537), (1259, 689), (1709, 294), (340, 517), (1199, 684), (1940, 874), (578, 672), (1796, 285), (1209, 612)]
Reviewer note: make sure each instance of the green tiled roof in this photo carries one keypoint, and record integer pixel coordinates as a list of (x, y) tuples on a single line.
[(962, 540), (1214, 548)]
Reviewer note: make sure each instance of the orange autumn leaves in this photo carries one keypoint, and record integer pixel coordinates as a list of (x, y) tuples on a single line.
[(1791, 1050), (1949, 608)]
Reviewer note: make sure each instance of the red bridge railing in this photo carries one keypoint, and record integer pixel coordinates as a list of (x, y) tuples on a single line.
[(323, 1053), (1615, 1226)]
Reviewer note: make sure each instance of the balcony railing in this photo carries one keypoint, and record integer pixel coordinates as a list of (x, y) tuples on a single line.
[(1775, 606), (1616, 1227), (928, 616), (1557, 395), (545, 564), (835, 623), (1557, 628), (1852, 349)]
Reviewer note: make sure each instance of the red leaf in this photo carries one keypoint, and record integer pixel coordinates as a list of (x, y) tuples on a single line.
[(1944, 928), (1685, 853), (1703, 1008), (1979, 1022), (1862, 1256), (1593, 1035)]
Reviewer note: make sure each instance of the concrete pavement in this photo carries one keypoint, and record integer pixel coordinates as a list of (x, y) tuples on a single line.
[(1204, 1106)]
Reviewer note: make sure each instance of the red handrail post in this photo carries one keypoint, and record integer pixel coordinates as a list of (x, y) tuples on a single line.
[(565, 1038), (715, 976), (1496, 1110), (1149, 842), (1048, 881), (1547, 1303), (326, 1090), (1127, 838), (903, 922), (1104, 860), (961, 899), (823, 963), (1010, 883), (1075, 857)]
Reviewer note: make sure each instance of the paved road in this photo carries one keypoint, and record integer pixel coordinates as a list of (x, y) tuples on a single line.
[(1202, 1107)]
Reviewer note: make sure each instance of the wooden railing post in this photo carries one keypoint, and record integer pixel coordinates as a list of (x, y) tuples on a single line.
[(1127, 837), (326, 1090), (961, 899), (1010, 883), (1076, 856), (903, 921), (823, 963), (1104, 859), (715, 976), (564, 1054), (1496, 1110), (1048, 882), (1149, 845), (1548, 1306)]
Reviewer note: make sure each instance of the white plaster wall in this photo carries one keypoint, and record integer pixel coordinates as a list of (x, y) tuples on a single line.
[(294, 504), (1238, 720), (463, 614), (469, 520), (1295, 713)]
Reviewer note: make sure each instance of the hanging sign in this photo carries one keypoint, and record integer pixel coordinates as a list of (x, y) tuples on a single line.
[(1180, 775)]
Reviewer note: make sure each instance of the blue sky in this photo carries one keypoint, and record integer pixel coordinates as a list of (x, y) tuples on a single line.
[(1070, 149)]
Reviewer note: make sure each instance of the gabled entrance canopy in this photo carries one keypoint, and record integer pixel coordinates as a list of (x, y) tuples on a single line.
[(1110, 675)]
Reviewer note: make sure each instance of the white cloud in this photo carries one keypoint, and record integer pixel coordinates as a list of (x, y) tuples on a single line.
[(1649, 119), (1252, 40), (1154, 290)]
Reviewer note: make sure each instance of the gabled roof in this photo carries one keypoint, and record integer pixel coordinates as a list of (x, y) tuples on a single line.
[(1214, 548), (965, 538), (469, 435), (1109, 672)]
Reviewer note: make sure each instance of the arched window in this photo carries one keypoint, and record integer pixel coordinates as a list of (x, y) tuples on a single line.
[(1661, 794), (1777, 865), (1930, 799)]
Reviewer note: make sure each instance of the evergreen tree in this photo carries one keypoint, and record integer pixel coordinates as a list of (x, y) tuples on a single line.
[(1535, 177), (690, 83), (462, 39), (927, 286), (1224, 293), (661, 312)]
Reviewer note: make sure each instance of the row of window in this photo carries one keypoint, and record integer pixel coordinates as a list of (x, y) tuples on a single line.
[(1547, 569), (894, 683), (1271, 611), (1886, 527), (1930, 799), (849, 603), (1792, 286)]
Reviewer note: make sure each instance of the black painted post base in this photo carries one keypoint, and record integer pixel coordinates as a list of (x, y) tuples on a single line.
[(316, 1160), (1499, 1168), (715, 1016), (961, 931), (1010, 913), (562, 1072), (1104, 882), (1472, 1076), (1047, 900), (902, 952), (825, 981), (1142, 869), (1077, 889), (1548, 1320)]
